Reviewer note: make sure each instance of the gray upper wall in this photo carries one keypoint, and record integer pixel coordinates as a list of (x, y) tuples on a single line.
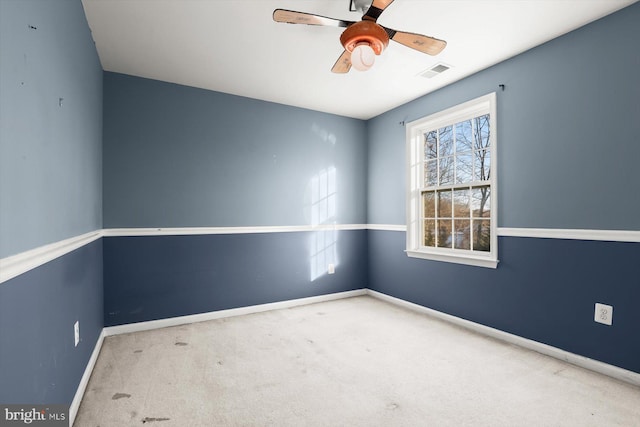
[(177, 156), (568, 126), (180, 156), (50, 124)]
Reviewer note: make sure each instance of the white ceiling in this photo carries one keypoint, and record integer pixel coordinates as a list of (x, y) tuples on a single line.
[(234, 46)]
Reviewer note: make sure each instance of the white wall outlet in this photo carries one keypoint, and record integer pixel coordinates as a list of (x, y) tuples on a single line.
[(76, 333), (331, 269), (603, 314)]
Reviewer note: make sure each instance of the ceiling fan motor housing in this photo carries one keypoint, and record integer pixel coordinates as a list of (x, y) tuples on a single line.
[(365, 32)]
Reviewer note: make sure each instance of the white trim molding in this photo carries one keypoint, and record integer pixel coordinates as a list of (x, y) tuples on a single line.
[(386, 227), (212, 315), (574, 359), (186, 231), (15, 265), (574, 234), (18, 264), (84, 381), (466, 259), (545, 233)]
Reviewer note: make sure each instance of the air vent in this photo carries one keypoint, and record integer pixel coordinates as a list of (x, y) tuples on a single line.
[(435, 70)]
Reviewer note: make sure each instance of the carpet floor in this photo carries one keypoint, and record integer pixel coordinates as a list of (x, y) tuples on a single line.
[(351, 362)]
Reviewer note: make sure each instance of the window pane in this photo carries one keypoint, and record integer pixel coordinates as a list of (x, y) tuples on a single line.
[(431, 145), (461, 203), (446, 141), (464, 168), (444, 233), (430, 232), (429, 200), (431, 173), (446, 170), (449, 192), (481, 132), (482, 235), (464, 137), (462, 234), (444, 204), (481, 202), (482, 167)]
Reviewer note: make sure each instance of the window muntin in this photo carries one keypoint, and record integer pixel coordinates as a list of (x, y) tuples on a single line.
[(451, 201)]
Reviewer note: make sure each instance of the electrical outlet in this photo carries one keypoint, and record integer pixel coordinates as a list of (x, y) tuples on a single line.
[(603, 314), (331, 268), (76, 333)]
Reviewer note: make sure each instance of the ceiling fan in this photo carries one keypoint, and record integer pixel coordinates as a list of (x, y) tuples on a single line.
[(363, 40)]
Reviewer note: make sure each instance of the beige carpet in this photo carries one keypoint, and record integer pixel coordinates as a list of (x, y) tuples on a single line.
[(351, 362)]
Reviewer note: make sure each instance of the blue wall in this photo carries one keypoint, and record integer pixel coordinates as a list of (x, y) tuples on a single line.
[(567, 122), (50, 154), (156, 277), (176, 156), (50, 190), (543, 290), (567, 131), (38, 361), (182, 157)]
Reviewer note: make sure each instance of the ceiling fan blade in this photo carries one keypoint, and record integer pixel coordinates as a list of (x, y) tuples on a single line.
[(419, 42), (343, 64), (293, 17), (376, 9)]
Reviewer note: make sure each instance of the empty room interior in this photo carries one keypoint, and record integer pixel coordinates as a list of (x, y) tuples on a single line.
[(203, 223)]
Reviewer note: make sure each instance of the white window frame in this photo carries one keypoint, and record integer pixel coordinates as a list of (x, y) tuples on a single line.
[(415, 178)]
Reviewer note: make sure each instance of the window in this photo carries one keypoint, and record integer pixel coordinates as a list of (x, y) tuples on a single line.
[(451, 200)]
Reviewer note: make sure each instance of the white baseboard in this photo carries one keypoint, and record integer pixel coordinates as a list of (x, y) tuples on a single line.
[(575, 359), (174, 321), (182, 320), (77, 398), (584, 362)]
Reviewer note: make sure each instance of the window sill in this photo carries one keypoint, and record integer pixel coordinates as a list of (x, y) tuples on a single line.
[(478, 261)]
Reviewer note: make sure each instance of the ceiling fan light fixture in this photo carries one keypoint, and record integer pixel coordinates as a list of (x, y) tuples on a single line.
[(364, 40), (365, 32), (363, 57)]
